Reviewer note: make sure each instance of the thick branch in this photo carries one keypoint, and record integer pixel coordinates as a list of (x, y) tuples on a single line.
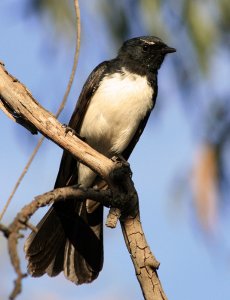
[(16, 97), (144, 261)]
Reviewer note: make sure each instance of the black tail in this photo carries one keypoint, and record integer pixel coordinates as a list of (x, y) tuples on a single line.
[(69, 239)]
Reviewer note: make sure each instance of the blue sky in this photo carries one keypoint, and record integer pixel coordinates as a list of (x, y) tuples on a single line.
[(193, 266)]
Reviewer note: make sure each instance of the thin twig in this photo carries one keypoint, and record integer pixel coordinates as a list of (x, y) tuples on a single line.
[(61, 107), (21, 176), (76, 55)]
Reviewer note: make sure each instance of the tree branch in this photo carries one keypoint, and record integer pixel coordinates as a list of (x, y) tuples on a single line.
[(19, 101), (61, 107)]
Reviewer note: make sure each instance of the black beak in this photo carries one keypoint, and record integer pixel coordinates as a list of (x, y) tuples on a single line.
[(167, 49)]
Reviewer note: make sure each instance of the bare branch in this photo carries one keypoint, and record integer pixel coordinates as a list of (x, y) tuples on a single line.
[(61, 107), (16, 96), (144, 261), (75, 62), (20, 178)]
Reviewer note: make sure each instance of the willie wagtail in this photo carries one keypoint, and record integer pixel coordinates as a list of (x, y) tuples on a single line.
[(111, 114)]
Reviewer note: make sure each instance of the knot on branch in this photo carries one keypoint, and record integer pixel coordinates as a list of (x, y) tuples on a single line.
[(5, 230)]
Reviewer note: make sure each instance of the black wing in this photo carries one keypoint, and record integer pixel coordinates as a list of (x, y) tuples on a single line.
[(67, 174)]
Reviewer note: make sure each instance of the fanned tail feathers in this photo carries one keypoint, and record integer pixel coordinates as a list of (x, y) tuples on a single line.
[(68, 239)]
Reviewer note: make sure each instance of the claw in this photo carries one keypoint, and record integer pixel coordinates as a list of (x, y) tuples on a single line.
[(71, 130)]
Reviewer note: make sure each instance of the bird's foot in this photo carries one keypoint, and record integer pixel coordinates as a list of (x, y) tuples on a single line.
[(71, 130), (120, 159)]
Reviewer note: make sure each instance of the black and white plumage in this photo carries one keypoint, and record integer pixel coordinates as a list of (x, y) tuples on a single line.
[(111, 113)]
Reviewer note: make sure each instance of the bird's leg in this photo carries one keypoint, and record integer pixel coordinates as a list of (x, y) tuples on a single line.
[(120, 159), (125, 200)]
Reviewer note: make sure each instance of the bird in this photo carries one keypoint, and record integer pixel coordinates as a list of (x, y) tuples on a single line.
[(110, 115)]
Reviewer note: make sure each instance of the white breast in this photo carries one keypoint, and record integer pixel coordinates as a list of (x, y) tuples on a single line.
[(115, 111)]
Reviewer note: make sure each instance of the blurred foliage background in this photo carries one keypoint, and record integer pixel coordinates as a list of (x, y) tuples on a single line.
[(200, 32), (196, 79)]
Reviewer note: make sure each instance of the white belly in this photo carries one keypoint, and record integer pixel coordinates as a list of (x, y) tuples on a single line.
[(114, 114)]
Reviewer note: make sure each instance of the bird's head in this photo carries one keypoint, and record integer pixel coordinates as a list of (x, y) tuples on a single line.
[(144, 52)]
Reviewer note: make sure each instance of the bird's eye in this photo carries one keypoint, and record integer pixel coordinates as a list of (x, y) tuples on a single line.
[(145, 48)]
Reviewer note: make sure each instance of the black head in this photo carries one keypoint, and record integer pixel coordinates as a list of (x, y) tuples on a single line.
[(146, 52)]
